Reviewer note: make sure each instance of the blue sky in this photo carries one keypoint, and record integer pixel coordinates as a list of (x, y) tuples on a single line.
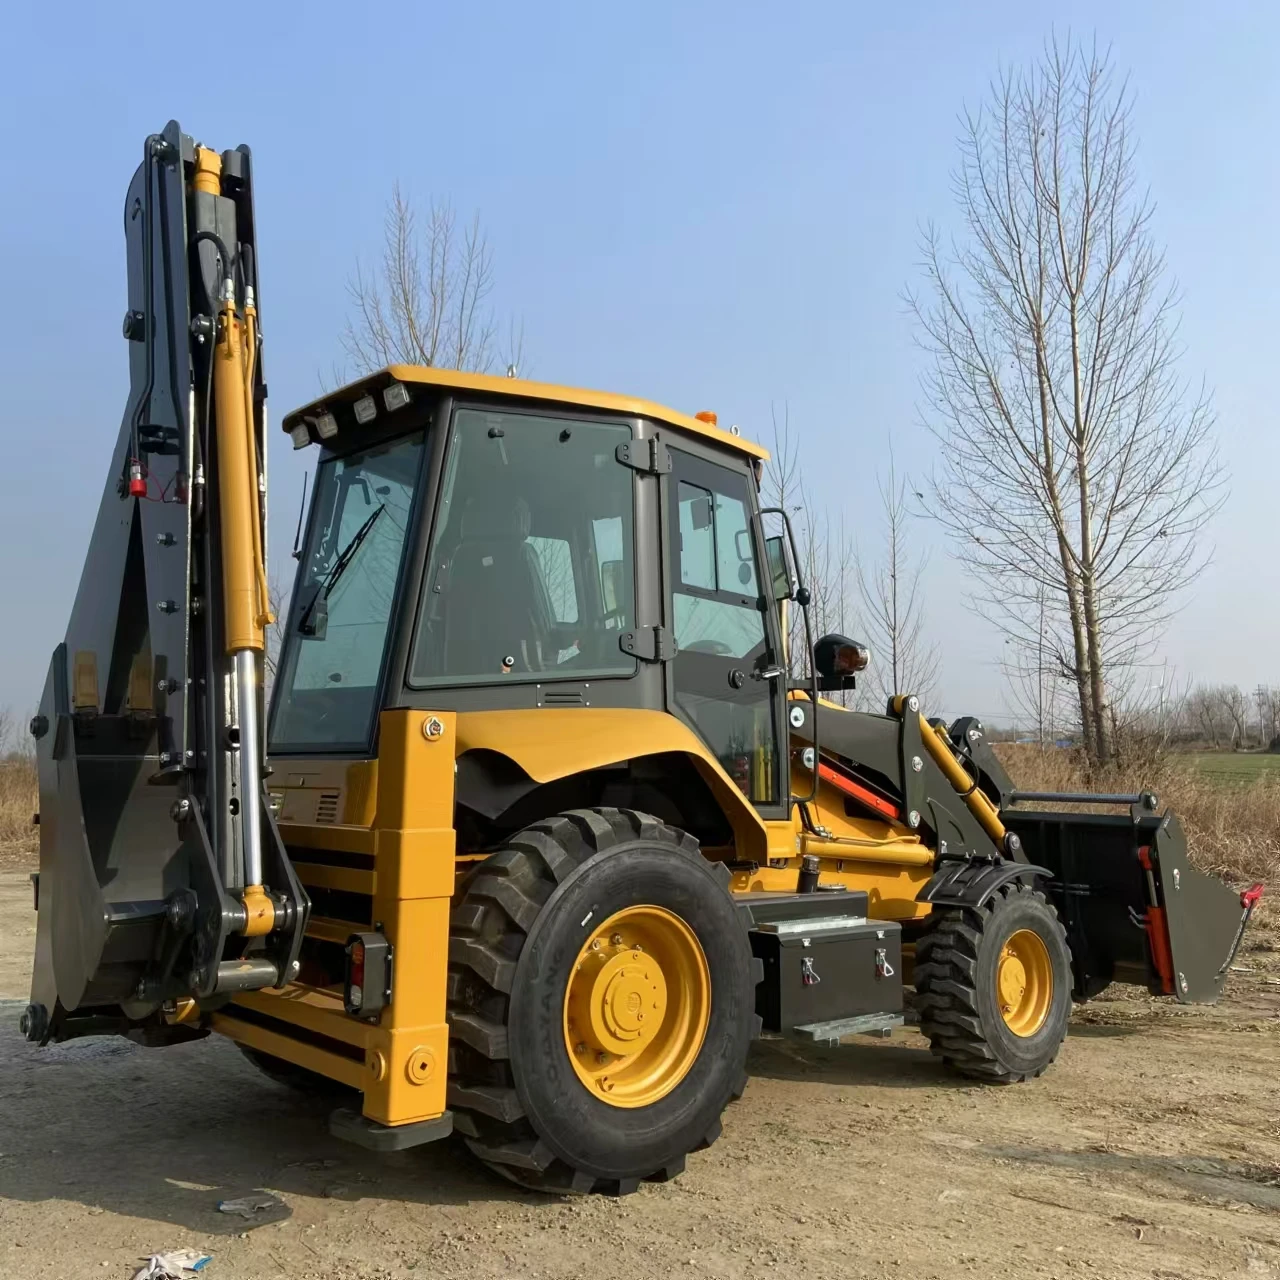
[(712, 205)]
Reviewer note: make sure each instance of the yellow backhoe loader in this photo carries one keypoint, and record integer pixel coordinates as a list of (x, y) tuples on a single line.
[(540, 831)]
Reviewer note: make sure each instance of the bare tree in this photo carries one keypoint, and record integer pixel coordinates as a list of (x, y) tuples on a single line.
[(1030, 664), (1076, 461), (1235, 707), (825, 550), (1205, 712), (428, 300), (1267, 702), (893, 604), (1272, 740)]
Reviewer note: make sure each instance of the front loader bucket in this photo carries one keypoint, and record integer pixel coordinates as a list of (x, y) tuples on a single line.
[(1134, 908)]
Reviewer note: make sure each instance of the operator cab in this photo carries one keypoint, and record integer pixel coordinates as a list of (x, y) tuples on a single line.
[(479, 544)]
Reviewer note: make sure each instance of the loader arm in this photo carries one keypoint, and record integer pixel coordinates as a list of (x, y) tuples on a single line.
[(163, 885)]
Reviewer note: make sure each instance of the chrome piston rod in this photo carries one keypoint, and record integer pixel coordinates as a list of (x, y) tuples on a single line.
[(250, 764)]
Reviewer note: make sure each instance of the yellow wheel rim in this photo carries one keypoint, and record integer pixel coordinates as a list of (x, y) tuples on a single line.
[(636, 1006), (1024, 983)]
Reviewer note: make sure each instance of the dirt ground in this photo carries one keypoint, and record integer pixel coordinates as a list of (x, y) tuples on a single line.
[(1151, 1149)]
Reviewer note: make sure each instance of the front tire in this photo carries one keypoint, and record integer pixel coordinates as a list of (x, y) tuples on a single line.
[(561, 945), (993, 985)]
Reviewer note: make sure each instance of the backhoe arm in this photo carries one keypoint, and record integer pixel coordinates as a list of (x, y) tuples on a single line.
[(163, 883)]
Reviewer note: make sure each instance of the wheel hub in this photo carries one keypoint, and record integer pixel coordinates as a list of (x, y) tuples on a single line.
[(636, 1006), (1024, 983), (628, 999)]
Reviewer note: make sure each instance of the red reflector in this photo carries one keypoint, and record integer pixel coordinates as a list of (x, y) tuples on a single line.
[(356, 967), (1251, 895)]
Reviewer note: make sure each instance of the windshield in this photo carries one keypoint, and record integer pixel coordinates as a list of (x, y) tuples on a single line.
[(337, 636)]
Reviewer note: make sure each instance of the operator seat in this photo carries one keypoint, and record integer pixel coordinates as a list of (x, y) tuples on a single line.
[(496, 606)]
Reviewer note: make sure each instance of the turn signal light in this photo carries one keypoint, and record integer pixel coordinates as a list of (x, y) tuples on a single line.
[(366, 988)]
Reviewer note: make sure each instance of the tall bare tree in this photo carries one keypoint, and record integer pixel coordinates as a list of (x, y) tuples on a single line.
[(427, 301), (1075, 458), (902, 660)]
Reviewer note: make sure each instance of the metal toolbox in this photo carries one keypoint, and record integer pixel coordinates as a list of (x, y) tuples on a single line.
[(825, 963)]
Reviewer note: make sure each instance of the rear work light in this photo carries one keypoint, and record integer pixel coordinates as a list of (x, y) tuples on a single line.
[(366, 988), (326, 426)]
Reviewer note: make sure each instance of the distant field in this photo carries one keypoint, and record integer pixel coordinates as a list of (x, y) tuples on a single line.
[(1230, 766)]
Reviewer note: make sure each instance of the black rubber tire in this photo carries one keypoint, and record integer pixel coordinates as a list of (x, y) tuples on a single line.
[(294, 1076), (955, 981), (522, 918)]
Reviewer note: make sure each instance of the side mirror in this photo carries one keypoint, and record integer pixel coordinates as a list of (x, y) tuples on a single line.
[(610, 582), (837, 660), (775, 552)]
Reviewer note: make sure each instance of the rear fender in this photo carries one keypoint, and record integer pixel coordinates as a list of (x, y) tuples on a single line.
[(551, 743)]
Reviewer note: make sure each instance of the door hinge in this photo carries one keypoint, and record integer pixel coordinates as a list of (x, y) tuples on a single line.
[(651, 644), (651, 456)]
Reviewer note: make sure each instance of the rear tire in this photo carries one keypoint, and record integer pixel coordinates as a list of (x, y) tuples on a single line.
[(971, 965), (524, 917)]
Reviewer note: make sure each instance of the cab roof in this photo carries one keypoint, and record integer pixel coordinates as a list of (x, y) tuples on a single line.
[(520, 389)]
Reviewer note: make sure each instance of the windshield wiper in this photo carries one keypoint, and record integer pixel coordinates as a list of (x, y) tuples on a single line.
[(337, 569)]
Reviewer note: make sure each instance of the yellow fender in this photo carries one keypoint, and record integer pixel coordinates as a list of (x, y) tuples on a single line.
[(551, 743)]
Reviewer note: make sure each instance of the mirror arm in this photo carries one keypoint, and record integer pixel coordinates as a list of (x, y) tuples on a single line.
[(802, 599)]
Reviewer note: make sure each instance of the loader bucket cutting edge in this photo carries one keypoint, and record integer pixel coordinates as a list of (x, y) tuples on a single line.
[(1134, 907)]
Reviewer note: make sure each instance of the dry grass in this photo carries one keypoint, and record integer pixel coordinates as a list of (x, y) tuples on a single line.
[(1233, 828), (18, 802)]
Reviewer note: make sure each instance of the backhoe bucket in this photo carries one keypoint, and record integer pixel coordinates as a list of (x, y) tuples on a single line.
[(1134, 908), (108, 851)]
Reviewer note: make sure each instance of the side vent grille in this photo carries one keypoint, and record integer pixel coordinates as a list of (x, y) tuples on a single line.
[(327, 807)]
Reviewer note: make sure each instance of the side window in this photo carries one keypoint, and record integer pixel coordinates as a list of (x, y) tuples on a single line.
[(716, 602), (697, 537), (735, 554), (717, 615)]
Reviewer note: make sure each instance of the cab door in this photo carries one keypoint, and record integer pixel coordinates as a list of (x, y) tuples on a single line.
[(725, 681)]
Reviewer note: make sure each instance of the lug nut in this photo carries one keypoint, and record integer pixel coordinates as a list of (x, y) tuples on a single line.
[(602, 1058), (616, 940), (579, 1048)]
